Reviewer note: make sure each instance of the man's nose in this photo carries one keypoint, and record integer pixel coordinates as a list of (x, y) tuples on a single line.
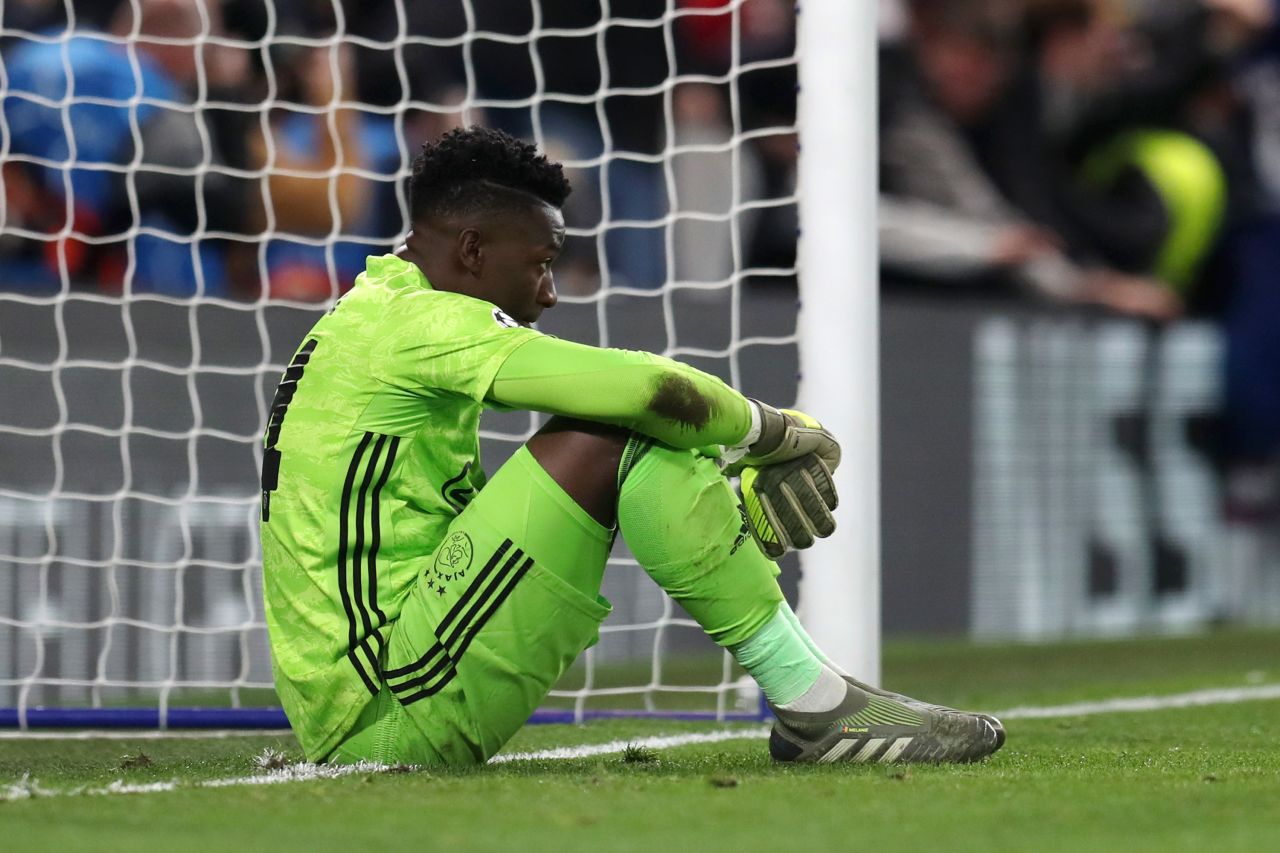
[(547, 297)]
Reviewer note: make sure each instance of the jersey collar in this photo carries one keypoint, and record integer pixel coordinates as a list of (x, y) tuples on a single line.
[(387, 267)]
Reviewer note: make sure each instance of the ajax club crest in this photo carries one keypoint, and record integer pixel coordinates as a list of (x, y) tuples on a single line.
[(453, 558)]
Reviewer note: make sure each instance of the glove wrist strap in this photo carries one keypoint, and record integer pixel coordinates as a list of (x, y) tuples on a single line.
[(773, 429)]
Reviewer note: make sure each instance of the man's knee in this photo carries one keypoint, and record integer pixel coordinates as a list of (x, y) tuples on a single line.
[(583, 458)]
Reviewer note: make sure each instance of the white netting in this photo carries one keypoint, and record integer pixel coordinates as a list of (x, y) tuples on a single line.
[(185, 189)]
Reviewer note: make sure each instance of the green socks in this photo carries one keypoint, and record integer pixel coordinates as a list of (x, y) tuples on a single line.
[(778, 660), (685, 526), (794, 621)]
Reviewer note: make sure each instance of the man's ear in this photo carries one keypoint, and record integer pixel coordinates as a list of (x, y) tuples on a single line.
[(471, 251)]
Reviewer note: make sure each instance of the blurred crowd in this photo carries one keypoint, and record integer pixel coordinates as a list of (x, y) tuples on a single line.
[(1113, 153), (267, 150)]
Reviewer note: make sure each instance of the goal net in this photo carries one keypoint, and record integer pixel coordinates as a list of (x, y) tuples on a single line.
[(188, 185)]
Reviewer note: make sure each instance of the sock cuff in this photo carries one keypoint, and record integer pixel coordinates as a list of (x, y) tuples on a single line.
[(779, 660), (808, 641)]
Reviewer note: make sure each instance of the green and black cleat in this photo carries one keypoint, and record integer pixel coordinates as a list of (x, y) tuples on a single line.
[(916, 703), (876, 725)]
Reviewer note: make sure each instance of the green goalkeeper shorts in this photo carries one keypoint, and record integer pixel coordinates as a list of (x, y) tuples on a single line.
[(489, 627)]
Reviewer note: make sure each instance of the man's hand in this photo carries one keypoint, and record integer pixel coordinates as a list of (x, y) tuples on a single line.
[(786, 434), (1016, 245), (787, 487), (1136, 296), (789, 503)]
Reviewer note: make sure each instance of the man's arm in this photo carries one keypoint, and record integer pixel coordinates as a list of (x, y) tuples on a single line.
[(790, 457), (672, 402)]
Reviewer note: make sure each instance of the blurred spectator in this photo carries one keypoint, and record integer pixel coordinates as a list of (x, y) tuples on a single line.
[(1248, 31), (1234, 101), (704, 176), (96, 220), (339, 146), (766, 106), (317, 206), (1149, 186), (767, 98), (315, 182), (618, 177), (972, 186), (1126, 154)]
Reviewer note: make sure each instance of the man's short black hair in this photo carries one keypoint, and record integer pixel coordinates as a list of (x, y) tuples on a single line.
[(479, 169)]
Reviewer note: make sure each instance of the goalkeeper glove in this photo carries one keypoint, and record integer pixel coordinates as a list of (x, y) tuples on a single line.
[(789, 503), (786, 434)]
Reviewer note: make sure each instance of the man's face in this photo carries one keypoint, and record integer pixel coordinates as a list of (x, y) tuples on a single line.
[(965, 75), (518, 257)]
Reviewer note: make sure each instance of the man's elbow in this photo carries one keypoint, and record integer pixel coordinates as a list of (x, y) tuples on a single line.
[(677, 398)]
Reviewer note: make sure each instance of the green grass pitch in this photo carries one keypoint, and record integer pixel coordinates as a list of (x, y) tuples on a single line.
[(1202, 778)]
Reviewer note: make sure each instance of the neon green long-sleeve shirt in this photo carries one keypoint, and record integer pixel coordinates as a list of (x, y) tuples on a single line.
[(373, 448), (672, 402)]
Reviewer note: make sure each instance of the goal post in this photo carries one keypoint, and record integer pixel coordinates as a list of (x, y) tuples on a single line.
[(132, 406), (838, 324)]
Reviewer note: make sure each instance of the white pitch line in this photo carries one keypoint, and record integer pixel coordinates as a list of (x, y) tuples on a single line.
[(26, 788), (568, 753), (1194, 699)]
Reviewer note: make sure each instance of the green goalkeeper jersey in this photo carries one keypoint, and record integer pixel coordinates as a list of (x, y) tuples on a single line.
[(372, 448)]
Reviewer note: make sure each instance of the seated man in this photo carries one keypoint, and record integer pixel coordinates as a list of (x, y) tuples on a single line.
[(419, 613)]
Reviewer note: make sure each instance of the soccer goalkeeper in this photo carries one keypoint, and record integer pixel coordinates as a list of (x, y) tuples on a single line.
[(419, 613)]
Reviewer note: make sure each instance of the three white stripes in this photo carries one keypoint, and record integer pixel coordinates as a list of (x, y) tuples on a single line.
[(869, 749), (895, 749)]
